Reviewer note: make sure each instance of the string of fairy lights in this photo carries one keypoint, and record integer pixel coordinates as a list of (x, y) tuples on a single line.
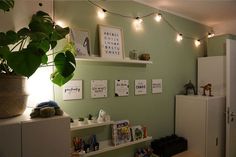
[(158, 16)]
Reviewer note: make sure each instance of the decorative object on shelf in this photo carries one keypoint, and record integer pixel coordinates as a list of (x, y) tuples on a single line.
[(136, 132), (133, 54), (98, 88), (103, 117), (94, 145), (82, 42), (73, 90), (140, 87), (205, 88), (121, 132), (92, 119), (144, 152), (46, 109), (144, 56), (79, 144), (190, 89), (81, 121), (121, 88), (111, 42), (156, 86)]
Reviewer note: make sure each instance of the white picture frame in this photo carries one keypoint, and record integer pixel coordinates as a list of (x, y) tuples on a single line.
[(121, 88), (111, 42), (140, 87), (156, 86), (98, 88), (82, 42), (73, 90)]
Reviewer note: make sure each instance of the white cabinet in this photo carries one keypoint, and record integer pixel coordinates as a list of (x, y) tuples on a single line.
[(200, 119), (24, 137)]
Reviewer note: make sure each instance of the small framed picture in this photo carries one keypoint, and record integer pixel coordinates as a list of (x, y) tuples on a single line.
[(73, 90), (98, 88), (82, 42), (140, 87), (121, 88), (111, 42)]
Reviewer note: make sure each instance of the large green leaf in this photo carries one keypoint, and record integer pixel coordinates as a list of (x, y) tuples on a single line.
[(4, 52), (9, 37), (24, 62), (6, 5), (42, 45), (60, 80), (65, 63)]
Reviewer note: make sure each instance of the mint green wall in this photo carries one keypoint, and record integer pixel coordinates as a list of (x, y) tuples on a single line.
[(216, 46), (174, 63)]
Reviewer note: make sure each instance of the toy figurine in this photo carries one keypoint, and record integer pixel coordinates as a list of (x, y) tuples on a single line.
[(207, 87), (189, 86)]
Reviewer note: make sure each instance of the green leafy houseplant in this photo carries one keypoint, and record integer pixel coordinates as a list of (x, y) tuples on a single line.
[(24, 51)]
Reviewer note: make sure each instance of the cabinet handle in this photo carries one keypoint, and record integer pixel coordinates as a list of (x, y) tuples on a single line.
[(216, 141)]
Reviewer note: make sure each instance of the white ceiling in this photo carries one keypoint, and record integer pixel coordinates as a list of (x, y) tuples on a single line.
[(213, 13)]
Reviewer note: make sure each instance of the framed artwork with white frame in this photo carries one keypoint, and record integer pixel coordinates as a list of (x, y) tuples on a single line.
[(121, 88), (98, 88), (73, 90), (111, 42), (140, 87), (156, 86), (82, 42)]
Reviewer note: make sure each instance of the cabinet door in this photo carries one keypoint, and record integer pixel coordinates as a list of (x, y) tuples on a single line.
[(215, 127), (46, 137), (10, 140), (191, 122)]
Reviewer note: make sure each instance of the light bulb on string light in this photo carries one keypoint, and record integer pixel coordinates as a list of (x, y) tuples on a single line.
[(158, 17), (197, 43), (179, 37), (138, 23), (210, 35), (101, 13)]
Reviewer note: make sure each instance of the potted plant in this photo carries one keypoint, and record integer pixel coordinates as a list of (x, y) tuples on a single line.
[(81, 121), (23, 52)]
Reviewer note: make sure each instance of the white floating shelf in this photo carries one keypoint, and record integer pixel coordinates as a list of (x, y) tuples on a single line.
[(105, 146), (85, 126), (106, 60)]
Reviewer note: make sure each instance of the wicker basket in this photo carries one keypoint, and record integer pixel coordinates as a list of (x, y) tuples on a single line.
[(13, 96)]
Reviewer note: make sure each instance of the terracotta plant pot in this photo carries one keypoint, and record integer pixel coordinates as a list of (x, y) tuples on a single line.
[(13, 96)]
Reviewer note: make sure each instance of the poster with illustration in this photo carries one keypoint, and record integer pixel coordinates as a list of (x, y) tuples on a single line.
[(121, 88), (73, 90), (82, 42), (98, 88), (140, 87)]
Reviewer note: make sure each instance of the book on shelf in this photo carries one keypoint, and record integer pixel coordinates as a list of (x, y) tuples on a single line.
[(121, 132)]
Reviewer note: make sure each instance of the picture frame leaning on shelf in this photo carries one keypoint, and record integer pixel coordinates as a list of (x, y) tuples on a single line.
[(82, 41)]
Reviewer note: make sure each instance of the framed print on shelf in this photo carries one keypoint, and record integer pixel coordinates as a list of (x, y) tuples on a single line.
[(111, 42), (82, 42)]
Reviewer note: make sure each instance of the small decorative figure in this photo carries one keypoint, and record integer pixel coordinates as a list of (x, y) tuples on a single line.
[(207, 87), (189, 86), (46, 109), (101, 116)]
